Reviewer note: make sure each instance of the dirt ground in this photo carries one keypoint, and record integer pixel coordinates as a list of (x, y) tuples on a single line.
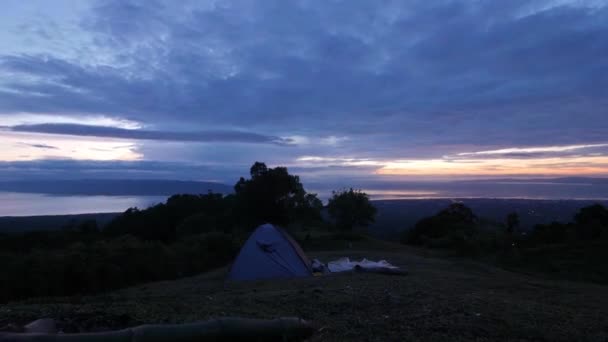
[(441, 299)]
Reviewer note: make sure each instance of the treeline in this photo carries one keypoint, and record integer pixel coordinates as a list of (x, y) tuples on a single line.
[(86, 259), (107, 264), (187, 234), (576, 250)]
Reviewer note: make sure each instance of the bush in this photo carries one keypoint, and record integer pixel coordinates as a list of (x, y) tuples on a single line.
[(457, 222), (351, 208), (458, 229), (161, 222), (109, 264)]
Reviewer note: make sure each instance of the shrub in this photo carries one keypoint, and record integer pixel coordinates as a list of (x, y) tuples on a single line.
[(351, 208), (109, 264), (457, 222)]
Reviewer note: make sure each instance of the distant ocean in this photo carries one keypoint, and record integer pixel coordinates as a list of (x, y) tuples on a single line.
[(541, 190), (28, 204)]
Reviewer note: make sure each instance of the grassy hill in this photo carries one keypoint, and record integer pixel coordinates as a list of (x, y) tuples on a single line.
[(442, 298)]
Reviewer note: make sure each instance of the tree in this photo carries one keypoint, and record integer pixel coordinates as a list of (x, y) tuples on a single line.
[(592, 222), (161, 221), (458, 213), (512, 222), (272, 195), (593, 214), (351, 208), (455, 221)]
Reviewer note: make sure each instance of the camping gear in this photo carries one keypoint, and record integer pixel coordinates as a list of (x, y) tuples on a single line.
[(318, 267), (270, 253), (221, 329), (346, 265)]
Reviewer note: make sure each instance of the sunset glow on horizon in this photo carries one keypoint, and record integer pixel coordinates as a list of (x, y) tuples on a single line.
[(563, 166)]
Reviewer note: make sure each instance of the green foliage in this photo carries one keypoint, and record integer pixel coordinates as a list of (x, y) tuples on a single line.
[(575, 260), (351, 208), (272, 195), (456, 222), (590, 223), (162, 221), (108, 264), (26, 241), (595, 214), (512, 222), (576, 250), (552, 233), (196, 224)]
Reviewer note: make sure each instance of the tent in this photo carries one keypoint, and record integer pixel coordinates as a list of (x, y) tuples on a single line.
[(270, 253)]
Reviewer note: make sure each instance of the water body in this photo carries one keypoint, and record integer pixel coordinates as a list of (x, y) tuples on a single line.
[(31, 204), (500, 190)]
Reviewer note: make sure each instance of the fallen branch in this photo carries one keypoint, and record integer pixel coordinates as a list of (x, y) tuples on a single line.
[(222, 329)]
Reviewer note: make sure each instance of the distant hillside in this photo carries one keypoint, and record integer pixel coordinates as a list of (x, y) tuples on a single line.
[(395, 216), (12, 224), (114, 187)]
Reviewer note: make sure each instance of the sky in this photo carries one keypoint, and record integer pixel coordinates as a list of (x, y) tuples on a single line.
[(338, 91)]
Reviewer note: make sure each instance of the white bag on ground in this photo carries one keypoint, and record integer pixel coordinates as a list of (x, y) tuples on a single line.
[(345, 265)]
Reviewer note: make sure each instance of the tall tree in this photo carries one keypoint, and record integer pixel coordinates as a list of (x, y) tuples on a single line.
[(273, 195), (351, 208)]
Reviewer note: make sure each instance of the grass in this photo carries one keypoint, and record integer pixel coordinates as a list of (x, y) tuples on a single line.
[(445, 299)]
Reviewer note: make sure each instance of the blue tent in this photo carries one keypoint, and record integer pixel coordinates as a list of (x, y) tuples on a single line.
[(270, 253)]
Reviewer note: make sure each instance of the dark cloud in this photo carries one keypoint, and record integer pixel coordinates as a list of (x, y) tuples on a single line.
[(41, 146), (85, 169), (401, 79), (140, 134), (67, 169)]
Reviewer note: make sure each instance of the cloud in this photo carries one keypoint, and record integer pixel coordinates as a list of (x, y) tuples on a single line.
[(547, 167), (17, 119), (536, 152), (140, 134), (91, 169), (379, 81), (42, 146)]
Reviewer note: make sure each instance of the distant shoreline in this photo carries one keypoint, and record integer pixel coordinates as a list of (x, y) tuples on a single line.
[(393, 214), (62, 215), (115, 213)]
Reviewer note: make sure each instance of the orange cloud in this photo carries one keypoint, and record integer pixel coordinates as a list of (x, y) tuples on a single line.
[(555, 166)]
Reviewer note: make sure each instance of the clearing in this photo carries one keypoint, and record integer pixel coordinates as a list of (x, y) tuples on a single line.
[(442, 298)]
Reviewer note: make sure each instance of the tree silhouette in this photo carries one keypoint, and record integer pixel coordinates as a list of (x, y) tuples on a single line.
[(351, 208), (455, 220), (593, 214), (512, 222), (272, 195)]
